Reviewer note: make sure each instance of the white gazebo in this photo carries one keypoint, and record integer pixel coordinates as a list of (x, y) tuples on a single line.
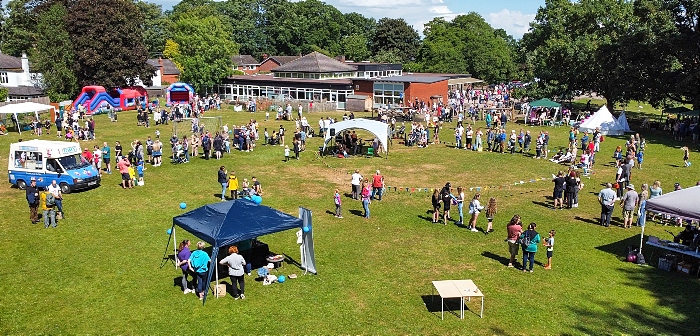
[(24, 108)]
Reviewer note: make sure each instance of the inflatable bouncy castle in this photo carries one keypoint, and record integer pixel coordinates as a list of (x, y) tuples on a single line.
[(181, 93), (95, 97)]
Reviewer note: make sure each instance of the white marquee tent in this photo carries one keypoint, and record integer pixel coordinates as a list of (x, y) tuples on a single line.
[(604, 120), (23, 108), (378, 128)]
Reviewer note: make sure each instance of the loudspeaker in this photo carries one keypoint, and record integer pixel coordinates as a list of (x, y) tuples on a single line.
[(332, 131)]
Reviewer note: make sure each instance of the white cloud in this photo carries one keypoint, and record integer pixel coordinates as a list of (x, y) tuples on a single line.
[(515, 23), (440, 10)]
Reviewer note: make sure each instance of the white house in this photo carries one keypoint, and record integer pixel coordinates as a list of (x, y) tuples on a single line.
[(17, 77)]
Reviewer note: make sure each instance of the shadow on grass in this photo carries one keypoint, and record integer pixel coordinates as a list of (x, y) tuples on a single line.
[(673, 165), (356, 212), (433, 305), (675, 311), (587, 220), (543, 204), (501, 259), (619, 248)]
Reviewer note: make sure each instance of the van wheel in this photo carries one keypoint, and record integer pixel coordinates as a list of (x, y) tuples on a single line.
[(21, 185), (65, 188)]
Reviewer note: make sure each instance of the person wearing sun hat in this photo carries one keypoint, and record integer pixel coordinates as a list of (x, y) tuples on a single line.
[(628, 203)]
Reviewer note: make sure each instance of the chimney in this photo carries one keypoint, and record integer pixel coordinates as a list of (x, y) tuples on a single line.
[(340, 58), (25, 70), (265, 56), (160, 65)]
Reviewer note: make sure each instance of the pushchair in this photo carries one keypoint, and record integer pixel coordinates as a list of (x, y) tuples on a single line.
[(179, 156)]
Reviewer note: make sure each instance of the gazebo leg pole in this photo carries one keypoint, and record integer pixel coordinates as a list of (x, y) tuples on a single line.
[(175, 247), (216, 269)]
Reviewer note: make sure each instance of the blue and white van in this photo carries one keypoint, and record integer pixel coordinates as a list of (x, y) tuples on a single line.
[(51, 160)]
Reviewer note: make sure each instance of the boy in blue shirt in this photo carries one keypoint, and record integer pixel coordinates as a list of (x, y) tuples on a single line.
[(640, 158), (139, 170)]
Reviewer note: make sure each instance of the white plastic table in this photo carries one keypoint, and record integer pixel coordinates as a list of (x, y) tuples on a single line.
[(447, 290), (468, 289)]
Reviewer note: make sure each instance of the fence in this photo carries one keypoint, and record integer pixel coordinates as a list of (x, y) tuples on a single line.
[(264, 104)]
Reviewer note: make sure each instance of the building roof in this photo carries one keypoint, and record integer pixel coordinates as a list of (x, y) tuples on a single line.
[(169, 68), (281, 60), (315, 62), (24, 91), (409, 79), (10, 62), (244, 60)]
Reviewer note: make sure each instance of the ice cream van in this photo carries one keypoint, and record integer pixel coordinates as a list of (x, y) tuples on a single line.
[(51, 160)]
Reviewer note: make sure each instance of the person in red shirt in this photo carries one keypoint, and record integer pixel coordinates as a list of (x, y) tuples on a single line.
[(377, 185), (87, 155), (123, 166)]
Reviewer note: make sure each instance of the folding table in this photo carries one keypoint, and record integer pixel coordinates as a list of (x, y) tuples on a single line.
[(461, 289)]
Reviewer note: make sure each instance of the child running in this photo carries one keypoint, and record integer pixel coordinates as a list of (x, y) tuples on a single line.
[(549, 244), (336, 198), (686, 153), (490, 212)]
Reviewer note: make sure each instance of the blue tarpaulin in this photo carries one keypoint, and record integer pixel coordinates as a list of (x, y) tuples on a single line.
[(226, 223)]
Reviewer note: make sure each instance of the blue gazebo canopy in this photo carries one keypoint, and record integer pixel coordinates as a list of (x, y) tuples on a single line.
[(225, 223)]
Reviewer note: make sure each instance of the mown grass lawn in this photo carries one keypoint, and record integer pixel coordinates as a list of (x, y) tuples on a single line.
[(100, 271)]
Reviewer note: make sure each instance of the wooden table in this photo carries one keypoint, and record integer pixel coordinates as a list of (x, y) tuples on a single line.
[(448, 289)]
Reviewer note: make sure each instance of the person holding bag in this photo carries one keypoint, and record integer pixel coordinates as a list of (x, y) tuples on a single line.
[(528, 241)]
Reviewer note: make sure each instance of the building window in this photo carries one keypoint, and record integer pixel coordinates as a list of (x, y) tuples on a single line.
[(388, 93), (3, 78), (252, 67)]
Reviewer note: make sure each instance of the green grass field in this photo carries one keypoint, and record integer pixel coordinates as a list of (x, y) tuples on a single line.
[(99, 271)]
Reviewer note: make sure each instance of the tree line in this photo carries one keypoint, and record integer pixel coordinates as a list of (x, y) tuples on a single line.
[(621, 49), (74, 43)]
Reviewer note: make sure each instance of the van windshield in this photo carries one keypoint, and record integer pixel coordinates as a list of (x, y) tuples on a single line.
[(74, 161)]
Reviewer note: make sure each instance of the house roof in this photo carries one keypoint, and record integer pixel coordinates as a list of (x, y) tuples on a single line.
[(244, 60), (315, 62), (24, 91), (10, 62), (169, 68), (281, 60)]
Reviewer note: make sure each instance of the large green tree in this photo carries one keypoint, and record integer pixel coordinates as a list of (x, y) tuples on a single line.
[(467, 44), (18, 29), (396, 36), (53, 55), (203, 47), (154, 28), (304, 26), (355, 47), (584, 46), (108, 43), (666, 42)]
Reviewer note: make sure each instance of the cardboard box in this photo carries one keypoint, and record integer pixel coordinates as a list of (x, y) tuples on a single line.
[(665, 264)]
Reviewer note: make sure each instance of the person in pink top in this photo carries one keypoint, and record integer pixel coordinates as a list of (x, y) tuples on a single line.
[(515, 228), (123, 167)]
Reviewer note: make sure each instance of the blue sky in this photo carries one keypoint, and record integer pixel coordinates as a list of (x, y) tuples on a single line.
[(511, 15)]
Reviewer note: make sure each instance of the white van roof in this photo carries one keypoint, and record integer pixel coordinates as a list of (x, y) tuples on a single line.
[(46, 143)]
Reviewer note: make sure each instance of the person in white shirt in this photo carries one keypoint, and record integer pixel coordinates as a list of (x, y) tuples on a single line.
[(55, 189), (355, 181)]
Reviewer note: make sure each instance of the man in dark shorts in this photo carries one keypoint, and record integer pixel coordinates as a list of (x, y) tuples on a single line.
[(106, 156), (123, 166), (558, 190), (446, 197)]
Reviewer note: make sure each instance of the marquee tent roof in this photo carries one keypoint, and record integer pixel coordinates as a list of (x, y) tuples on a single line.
[(378, 128), (544, 103), (604, 120), (26, 107), (682, 203), (225, 223)]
